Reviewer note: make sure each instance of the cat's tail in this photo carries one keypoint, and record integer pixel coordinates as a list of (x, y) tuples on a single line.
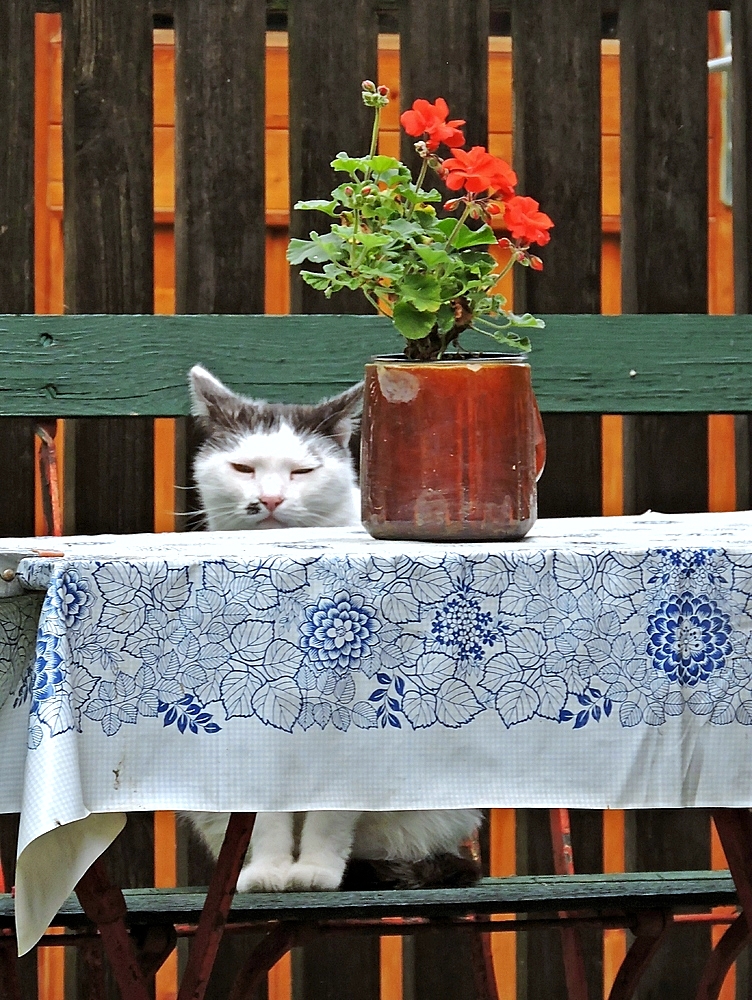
[(441, 871)]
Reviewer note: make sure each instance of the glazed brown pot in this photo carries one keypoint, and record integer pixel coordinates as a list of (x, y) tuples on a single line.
[(450, 449)]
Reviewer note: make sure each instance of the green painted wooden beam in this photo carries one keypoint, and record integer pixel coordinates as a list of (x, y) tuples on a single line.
[(619, 892), (70, 366)]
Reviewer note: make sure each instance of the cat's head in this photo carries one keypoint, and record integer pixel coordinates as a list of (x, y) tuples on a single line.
[(273, 465)]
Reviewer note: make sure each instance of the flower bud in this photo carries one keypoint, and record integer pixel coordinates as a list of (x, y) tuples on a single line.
[(383, 91), (536, 263), (349, 192), (492, 208), (369, 86), (505, 244), (451, 204), (367, 189)]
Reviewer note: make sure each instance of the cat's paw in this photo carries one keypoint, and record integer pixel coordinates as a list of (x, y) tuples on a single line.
[(306, 877), (268, 876)]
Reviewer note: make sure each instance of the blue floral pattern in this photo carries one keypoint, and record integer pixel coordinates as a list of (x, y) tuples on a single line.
[(318, 635), (689, 638)]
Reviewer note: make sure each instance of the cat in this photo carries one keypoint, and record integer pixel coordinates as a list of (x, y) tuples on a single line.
[(271, 465)]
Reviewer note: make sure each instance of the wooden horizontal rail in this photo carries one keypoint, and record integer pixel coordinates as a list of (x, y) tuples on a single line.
[(68, 366), (497, 6)]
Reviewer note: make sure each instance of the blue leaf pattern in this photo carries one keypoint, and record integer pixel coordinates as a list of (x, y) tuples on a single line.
[(314, 638)]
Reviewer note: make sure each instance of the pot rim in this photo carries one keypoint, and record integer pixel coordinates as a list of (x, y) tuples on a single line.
[(474, 357)]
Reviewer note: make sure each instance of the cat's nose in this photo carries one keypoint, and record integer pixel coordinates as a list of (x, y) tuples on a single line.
[(271, 502)]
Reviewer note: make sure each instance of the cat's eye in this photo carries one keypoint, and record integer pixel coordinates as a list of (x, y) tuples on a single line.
[(303, 472), (240, 467)]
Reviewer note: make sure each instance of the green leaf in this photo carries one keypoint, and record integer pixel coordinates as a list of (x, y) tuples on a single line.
[(319, 205), (526, 319), (422, 290), (380, 164), (319, 281), (412, 323), (509, 339), (300, 250), (403, 228), (349, 164), (431, 257), (445, 317), (467, 237), (372, 240)]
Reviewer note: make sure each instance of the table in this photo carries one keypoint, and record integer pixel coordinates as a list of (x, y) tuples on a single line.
[(320, 668)]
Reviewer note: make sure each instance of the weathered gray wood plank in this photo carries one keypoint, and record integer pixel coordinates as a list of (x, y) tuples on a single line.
[(120, 365), (220, 226), (435, 71), (108, 226), (17, 241), (499, 6), (741, 28), (332, 47)]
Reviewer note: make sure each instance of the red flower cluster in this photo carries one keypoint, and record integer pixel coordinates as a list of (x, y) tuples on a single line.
[(477, 171), (525, 222), (430, 120)]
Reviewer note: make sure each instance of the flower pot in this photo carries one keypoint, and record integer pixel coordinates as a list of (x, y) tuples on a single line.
[(450, 449)]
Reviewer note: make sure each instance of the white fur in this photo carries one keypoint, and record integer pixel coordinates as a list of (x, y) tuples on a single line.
[(278, 861), (326, 496), (314, 856)]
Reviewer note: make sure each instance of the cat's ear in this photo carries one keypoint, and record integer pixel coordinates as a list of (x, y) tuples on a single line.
[(339, 416), (208, 394)]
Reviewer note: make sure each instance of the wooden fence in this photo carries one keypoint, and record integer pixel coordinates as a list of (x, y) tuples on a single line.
[(664, 461)]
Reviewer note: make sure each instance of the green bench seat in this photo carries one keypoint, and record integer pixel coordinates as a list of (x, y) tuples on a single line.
[(598, 895)]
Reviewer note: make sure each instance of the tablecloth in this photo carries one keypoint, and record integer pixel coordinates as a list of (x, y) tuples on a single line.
[(601, 662)]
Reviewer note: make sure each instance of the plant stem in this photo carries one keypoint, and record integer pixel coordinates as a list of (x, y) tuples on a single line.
[(507, 267), (421, 178), (356, 226), (460, 223), (374, 139)]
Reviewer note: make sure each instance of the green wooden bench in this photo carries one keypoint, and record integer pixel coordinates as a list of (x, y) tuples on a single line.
[(645, 903)]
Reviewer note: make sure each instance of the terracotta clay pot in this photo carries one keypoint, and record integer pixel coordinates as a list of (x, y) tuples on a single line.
[(450, 449)]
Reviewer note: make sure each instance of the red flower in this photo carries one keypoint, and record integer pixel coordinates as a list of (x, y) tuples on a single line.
[(477, 170), (525, 222), (429, 119)]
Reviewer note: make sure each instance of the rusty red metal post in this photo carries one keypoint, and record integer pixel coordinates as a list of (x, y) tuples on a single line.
[(48, 474)]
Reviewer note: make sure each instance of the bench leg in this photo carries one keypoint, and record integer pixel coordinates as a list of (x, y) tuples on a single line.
[(104, 904), (649, 932), (571, 945), (734, 828), (266, 954), (721, 959), (483, 969), (211, 924)]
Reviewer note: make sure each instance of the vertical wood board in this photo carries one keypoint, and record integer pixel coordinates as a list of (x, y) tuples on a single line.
[(664, 178), (219, 156), (332, 49)]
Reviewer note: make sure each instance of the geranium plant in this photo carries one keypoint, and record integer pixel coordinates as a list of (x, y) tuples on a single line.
[(434, 276)]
